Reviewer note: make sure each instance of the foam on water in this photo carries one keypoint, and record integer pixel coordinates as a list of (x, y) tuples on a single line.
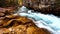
[(47, 21)]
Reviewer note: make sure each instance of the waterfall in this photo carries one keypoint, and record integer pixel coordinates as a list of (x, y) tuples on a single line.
[(48, 21)]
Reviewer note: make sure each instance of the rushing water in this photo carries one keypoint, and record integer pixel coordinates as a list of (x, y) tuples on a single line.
[(48, 21)]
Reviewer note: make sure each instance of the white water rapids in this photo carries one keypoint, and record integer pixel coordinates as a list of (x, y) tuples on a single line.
[(48, 21)]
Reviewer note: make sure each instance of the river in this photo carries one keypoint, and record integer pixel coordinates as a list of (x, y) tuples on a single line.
[(48, 21)]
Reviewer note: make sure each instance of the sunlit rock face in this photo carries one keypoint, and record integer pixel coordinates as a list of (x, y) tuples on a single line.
[(48, 21)]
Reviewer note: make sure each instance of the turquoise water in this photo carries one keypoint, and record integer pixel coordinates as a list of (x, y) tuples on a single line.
[(48, 21)]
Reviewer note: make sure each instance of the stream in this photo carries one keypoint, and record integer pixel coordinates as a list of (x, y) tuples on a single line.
[(48, 21)]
